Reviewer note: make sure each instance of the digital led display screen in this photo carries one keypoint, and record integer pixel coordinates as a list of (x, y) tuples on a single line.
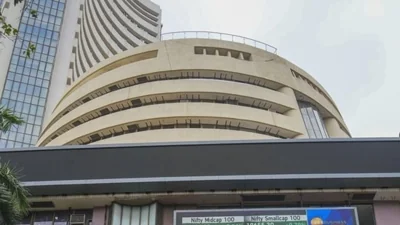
[(290, 216)]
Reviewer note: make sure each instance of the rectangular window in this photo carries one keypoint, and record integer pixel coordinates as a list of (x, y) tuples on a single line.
[(29, 79)]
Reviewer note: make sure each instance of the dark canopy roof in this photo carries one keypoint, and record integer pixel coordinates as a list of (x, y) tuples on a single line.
[(205, 166)]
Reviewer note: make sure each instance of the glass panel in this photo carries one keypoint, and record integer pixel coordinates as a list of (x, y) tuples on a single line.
[(312, 120), (43, 218), (23, 73), (321, 124), (61, 218)]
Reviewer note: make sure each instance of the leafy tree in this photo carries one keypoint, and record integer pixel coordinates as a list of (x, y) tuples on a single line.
[(8, 31), (8, 119), (14, 203), (13, 197)]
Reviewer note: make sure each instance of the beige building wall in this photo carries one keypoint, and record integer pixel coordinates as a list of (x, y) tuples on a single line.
[(107, 28), (191, 90)]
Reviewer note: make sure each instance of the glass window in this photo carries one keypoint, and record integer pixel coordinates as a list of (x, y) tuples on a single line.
[(20, 136), (18, 106), (31, 119), (14, 95), (33, 109), (9, 85), (10, 144), (27, 138), (11, 104), (18, 145), (25, 108), (61, 218), (36, 129), (29, 90), (43, 218), (312, 120), (36, 91), (6, 94), (21, 96), (42, 101), (34, 139), (28, 79)]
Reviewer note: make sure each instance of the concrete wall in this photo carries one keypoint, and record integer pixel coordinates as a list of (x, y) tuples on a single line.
[(61, 65), (387, 213), (108, 28), (99, 216), (263, 85)]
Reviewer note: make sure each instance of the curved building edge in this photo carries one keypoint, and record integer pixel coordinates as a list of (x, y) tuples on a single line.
[(189, 85)]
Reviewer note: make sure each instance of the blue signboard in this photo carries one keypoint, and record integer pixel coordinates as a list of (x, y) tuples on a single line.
[(333, 216)]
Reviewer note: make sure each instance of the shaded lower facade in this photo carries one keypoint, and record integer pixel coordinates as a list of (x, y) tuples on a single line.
[(144, 184)]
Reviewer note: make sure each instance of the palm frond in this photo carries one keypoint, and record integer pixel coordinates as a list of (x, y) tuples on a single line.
[(8, 119), (9, 213), (9, 179)]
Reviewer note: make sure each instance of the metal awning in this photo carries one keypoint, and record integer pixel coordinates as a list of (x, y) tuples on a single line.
[(209, 166)]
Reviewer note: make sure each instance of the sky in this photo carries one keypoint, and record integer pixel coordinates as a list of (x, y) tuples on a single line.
[(352, 47)]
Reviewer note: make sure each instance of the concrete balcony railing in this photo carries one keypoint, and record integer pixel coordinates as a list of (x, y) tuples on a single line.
[(218, 36)]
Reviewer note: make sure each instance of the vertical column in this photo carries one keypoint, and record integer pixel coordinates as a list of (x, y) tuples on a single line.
[(333, 128), (116, 214), (241, 56), (295, 112), (168, 215), (387, 213), (99, 216)]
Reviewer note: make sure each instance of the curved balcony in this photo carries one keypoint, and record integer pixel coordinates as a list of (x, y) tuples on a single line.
[(218, 36)]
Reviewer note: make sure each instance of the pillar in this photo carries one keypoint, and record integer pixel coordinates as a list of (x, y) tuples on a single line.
[(168, 215), (99, 216), (387, 213), (241, 56)]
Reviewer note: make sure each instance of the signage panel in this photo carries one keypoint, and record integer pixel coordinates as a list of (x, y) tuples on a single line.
[(289, 216)]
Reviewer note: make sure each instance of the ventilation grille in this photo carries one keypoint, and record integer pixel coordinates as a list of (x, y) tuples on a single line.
[(77, 219)]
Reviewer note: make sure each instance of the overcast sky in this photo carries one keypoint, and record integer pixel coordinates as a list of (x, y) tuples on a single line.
[(351, 47)]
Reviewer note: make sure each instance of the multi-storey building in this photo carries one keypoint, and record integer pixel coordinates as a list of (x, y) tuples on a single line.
[(193, 89), (25, 81), (31, 86), (200, 94)]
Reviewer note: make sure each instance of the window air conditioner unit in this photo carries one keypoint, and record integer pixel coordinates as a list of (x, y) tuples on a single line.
[(77, 219)]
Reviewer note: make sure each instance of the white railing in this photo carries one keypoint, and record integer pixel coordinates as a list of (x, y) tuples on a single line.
[(218, 36)]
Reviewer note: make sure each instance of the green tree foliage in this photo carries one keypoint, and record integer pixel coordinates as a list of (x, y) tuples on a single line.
[(13, 197), (8, 31), (8, 119), (14, 203)]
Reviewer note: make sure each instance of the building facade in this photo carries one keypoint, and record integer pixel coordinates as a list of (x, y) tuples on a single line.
[(192, 89), (25, 81), (145, 184), (93, 34), (32, 86)]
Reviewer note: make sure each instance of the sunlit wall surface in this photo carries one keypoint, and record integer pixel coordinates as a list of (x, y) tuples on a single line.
[(25, 90)]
